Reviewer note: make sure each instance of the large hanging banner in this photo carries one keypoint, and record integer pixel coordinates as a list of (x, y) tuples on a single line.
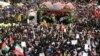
[(7, 24), (57, 12)]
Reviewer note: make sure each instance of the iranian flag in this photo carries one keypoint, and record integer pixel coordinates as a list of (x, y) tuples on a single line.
[(5, 47), (19, 50)]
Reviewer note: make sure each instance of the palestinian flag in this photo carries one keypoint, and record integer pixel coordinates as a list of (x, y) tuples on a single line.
[(19, 50), (5, 47), (11, 39)]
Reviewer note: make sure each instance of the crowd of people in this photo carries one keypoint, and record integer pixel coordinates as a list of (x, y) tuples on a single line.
[(59, 40), (80, 37)]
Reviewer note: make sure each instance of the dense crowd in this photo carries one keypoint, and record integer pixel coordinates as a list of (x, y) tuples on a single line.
[(54, 40), (80, 37)]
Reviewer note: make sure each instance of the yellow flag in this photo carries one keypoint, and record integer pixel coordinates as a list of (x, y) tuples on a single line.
[(45, 23), (19, 17)]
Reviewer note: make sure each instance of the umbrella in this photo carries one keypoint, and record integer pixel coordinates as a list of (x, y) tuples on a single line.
[(58, 6), (70, 6), (48, 4)]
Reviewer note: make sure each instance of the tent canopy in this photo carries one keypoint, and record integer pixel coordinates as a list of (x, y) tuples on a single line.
[(48, 4), (59, 5)]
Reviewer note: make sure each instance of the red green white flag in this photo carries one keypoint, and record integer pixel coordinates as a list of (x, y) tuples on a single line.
[(5, 47), (19, 50)]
